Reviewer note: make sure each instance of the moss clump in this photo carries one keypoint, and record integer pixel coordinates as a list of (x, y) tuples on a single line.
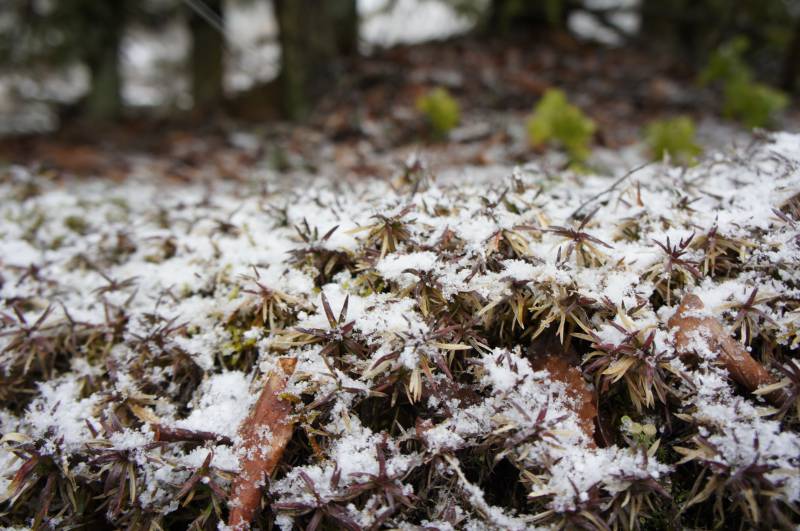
[(441, 111), (555, 120), (726, 64), (674, 137), (76, 224), (752, 103)]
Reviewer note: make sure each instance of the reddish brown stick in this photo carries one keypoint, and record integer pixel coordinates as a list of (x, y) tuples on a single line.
[(737, 361), (168, 434), (264, 435)]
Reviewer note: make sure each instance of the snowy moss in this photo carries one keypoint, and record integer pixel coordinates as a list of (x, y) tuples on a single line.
[(424, 327)]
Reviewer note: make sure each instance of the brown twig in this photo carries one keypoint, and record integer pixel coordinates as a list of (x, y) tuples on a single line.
[(168, 434), (264, 434), (608, 190)]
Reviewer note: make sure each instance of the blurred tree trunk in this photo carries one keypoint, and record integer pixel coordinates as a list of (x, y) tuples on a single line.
[(344, 16), (508, 16), (104, 101), (681, 26), (313, 35), (207, 56), (791, 60), (656, 25)]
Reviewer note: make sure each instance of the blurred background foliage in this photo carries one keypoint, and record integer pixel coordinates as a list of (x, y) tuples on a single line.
[(46, 45)]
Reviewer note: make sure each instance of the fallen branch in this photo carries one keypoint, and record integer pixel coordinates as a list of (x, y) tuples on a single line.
[(264, 435), (690, 325)]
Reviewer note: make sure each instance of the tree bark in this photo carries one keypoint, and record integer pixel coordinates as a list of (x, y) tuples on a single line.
[(791, 61), (344, 16), (104, 101), (677, 26), (207, 57), (313, 36), (514, 16)]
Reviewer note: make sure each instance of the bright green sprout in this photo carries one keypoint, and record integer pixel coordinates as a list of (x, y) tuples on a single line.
[(441, 111), (644, 434), (556, 120), (674, 137)]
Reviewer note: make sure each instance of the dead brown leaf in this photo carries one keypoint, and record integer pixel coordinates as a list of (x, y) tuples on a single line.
[(264, 434), (741, 366)]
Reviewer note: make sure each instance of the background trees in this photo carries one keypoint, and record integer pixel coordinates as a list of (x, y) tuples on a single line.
[(56, 34), (505, 16), (314, 37), (98, 32), (207, 61)]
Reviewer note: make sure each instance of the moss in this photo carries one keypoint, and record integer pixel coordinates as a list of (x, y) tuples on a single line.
[(234, 293), (726, 63), (37, 221), (752, 103), (555, 120), (441, 111), (240, 352), (400, 381), (238, 342), (76, 224), (675, 138)]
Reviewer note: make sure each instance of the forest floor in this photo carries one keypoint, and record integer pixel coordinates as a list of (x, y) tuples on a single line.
[(368, 122), (452, 335)]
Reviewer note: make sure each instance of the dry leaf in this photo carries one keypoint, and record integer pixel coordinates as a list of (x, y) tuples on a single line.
[(737, 361), (560, 362), (264, 434)]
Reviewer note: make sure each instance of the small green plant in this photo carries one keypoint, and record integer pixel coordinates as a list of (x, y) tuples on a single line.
[(642, 435), (556, 120), (754, 104), (726, 63), (674, 137), (441, 111)]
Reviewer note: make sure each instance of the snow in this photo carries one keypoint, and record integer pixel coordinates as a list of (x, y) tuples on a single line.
[(59, 416), (612, 468), (741, 436), (519, 270), (421, 21), (223, 401), (393, 266)]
